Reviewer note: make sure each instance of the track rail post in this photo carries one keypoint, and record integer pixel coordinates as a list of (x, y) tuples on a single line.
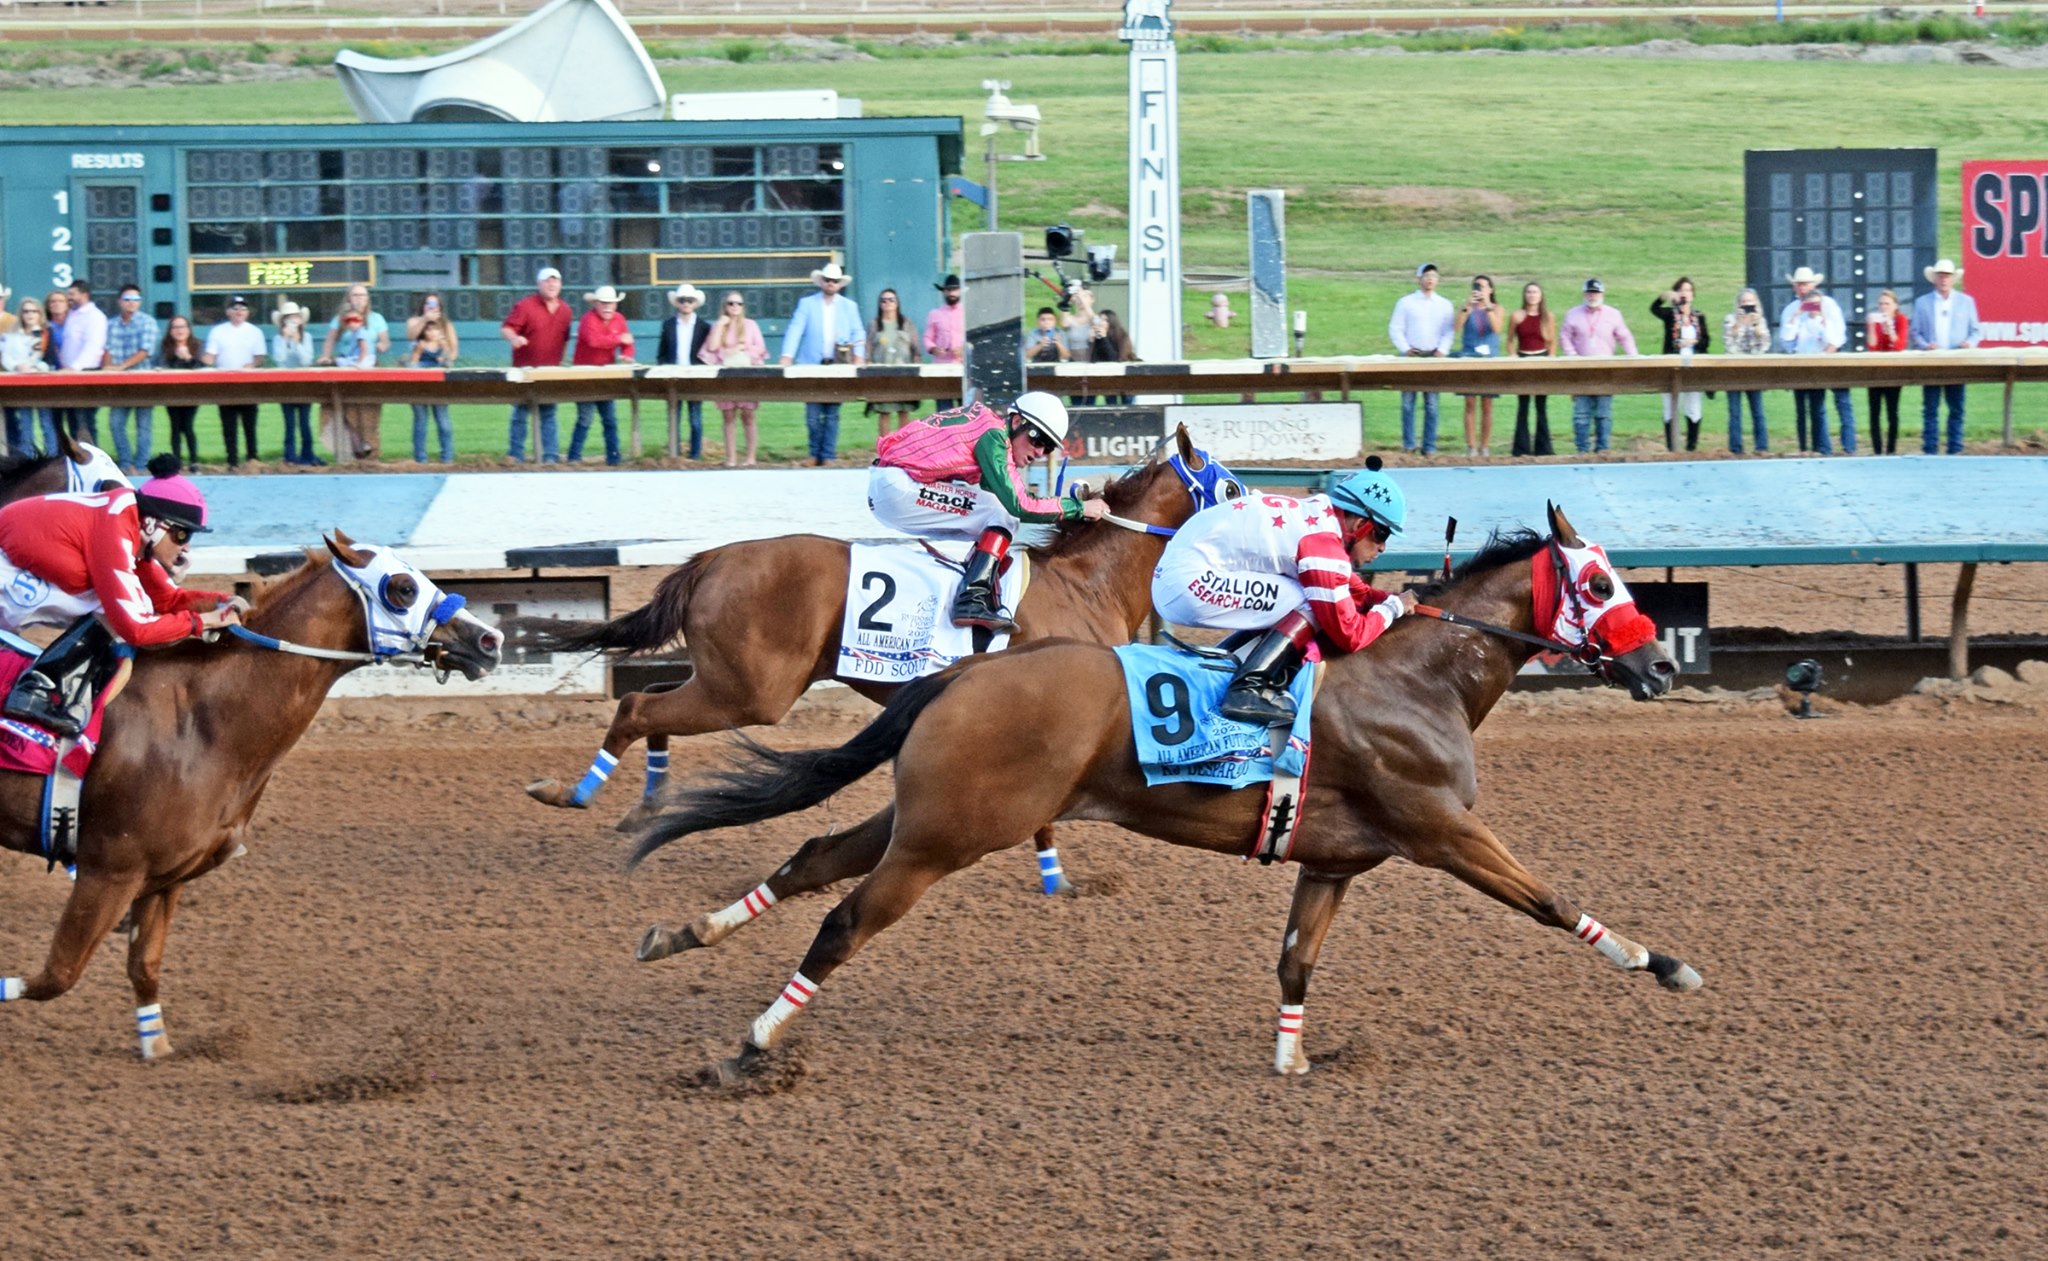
[(1959, 623)]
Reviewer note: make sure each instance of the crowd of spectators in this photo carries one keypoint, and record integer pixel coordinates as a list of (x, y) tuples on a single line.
[(1424, 323), (68, 330)]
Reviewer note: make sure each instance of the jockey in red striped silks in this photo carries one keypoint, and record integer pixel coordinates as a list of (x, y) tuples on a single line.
[(1284, 565), (958, 474)]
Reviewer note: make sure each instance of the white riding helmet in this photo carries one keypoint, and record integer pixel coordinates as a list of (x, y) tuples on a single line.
[(1043, 412)]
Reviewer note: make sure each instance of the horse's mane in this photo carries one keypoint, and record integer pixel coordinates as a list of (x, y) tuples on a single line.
[(1501, 549), (15, 467), (1121, 493), (278, 591)]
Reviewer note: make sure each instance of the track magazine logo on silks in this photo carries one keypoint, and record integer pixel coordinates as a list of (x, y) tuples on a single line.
[(939, 500), (26, 591)]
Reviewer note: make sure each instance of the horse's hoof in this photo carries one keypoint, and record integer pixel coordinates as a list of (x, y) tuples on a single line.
[(156, 1048), (1674, 974), (742, 1067), (549, 792), (1296, 1067), (660, 943)]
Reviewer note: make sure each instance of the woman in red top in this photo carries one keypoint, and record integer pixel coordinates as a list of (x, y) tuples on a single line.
[(1887, 333), (602, 339), (1535, 336), (102, 563)]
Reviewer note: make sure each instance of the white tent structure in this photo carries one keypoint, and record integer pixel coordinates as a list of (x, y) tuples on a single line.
[(569, 61)]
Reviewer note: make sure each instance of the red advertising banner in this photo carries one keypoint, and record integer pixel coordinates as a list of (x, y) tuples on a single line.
[(2005, 249)]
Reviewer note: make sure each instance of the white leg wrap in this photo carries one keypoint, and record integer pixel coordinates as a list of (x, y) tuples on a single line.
[(791, 1001), (1620, 951), (748, 908), (1287, 1057), (149, 1026), (11, 988)]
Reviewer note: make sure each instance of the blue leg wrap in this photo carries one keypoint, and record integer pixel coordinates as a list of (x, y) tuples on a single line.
[(657, 771), (593, 779), (1049, 873)]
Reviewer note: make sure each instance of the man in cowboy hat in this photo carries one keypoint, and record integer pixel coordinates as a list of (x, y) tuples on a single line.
[(602, 339), (1944, 319), (945, 329), (1811, 324), (826, 328), (682, 340), (132, 339)]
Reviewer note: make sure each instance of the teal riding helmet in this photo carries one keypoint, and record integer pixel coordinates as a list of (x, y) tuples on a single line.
[(1372, 494)]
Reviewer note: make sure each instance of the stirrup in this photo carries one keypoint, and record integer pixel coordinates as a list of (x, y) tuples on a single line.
[(34, 699), (974, 608), (1258, 701)]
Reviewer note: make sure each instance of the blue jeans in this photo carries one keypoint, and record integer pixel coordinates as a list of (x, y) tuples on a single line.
[(1429, 412), (822, 419), (22, 423), (1592, 421), (550, 448), (298, 434), (1845, 414), (117, 420), (1756, 419), (695, 408), (443, 426), (84, 422), (1930, 417), (607, 412)]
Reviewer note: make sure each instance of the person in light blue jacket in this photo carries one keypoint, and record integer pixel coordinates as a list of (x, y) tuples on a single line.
[(1943, 319), (825, 328)]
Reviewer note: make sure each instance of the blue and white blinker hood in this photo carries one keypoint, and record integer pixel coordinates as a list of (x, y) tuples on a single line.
[(398, 621), (1212, 484)]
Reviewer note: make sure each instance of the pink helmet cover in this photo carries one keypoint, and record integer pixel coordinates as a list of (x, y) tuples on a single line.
[(177, 489)]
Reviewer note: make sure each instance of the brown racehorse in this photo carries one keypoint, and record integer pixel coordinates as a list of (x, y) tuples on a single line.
[(189, 744), (1393, 776), (78, 466), (762, 618)]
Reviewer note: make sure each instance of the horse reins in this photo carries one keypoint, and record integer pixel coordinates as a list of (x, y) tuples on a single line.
[(1587, 653)]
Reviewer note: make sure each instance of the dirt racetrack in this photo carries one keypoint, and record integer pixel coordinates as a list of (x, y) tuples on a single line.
[(409, 1025)]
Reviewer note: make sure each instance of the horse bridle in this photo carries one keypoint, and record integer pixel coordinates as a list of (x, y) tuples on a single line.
[(1587, 653), (1191, 481), (415, 653)]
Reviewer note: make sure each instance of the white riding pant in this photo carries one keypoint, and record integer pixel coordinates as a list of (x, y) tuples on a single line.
[(936, 510), (1188, 592), (27, 600)]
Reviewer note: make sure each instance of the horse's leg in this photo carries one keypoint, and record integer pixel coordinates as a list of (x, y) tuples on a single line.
[(1475, 855), (823, 860), (97, 901), (879, 901), (1316, 899), (151, 917), (1051, 876)]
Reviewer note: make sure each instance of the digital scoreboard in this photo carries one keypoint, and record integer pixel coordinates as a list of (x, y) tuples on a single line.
[(1867, 219), (473, 211)]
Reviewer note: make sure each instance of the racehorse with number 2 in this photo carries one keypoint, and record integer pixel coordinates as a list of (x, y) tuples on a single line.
[(1393, 771)]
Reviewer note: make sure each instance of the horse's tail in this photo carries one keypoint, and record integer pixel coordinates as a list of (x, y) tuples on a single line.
[(653, 625), (780, 783)]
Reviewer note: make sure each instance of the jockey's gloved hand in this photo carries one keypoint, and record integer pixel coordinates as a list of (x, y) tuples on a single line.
[(237, 603), (1094, 509), (220, 618)]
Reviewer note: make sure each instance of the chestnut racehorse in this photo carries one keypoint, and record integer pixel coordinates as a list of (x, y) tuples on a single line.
[(79, 466), (762, 618), (1392, 774), (189, 744)]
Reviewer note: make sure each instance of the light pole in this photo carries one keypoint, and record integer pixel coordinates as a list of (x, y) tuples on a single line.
[(1000, 110)]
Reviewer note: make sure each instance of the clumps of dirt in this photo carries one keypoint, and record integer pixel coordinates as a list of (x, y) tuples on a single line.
[(2026, 687), (1107, 882), (753, 1074), (392, 1063), (225, 1045)]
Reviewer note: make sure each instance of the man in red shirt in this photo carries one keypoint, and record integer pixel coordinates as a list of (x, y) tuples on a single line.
[(538, 329), (103, 559), (602, 339)]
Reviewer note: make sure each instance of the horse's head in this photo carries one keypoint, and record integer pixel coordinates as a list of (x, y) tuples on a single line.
[(1581, 601), (405, 612), (1199, 480)]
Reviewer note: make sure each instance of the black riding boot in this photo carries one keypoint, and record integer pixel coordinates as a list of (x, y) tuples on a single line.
[(980, 602), (1692, 435), (55, 691), (1258, 692)]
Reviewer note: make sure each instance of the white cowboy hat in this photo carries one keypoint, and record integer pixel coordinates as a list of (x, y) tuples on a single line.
[(686, 290), (1942, 265), (5, 293), (288, 307), (830, 271), (1806, 276), (605, 293)]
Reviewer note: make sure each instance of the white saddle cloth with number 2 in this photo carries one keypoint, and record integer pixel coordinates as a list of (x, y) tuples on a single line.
[(899, 614)]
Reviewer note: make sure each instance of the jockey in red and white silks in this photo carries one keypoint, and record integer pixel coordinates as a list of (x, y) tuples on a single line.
[(1284, 563), (958, 474)]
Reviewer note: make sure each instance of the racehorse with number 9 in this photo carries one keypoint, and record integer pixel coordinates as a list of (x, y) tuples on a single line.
[(1393, 771)]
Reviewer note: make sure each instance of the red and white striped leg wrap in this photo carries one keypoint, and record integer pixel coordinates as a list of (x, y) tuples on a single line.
[(750, 907), (791, 1001), (1620, 951), (1287, 1056)]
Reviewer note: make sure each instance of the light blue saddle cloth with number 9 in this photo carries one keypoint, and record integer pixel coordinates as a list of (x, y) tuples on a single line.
[(1180, 736)]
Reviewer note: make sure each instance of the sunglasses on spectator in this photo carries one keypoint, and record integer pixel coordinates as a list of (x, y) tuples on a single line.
[(735, 302)]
